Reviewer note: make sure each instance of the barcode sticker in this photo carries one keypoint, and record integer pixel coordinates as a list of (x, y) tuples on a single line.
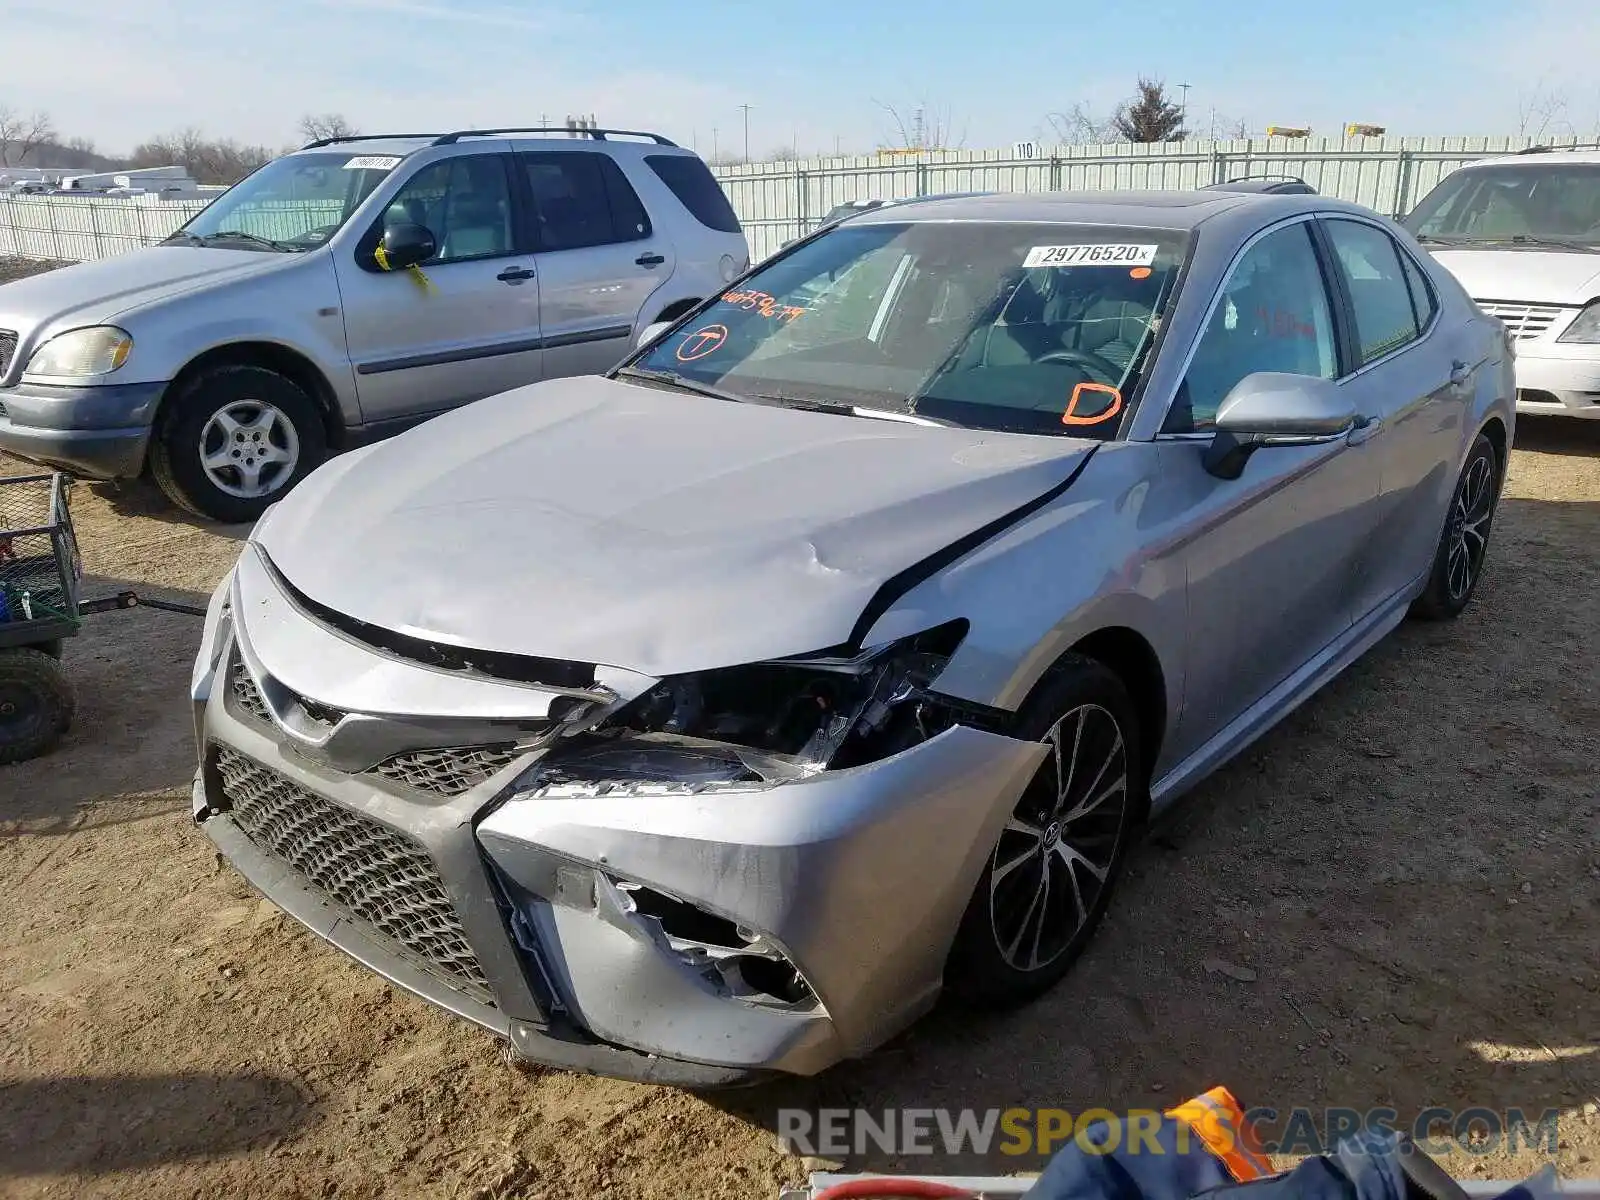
[(372, 162), (1102, 254)]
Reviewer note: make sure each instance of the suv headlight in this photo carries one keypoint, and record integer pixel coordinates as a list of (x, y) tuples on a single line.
[(745, 727), (1586, 328), (97, 350)]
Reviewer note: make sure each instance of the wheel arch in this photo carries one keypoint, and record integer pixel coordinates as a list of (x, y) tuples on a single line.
[(1495, 430), (676, 309), (271, 356), (1128, 655)]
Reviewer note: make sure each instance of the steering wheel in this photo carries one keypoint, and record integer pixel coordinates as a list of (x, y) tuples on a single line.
[(1087, 359)]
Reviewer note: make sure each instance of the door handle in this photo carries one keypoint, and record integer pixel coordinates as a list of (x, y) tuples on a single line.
[(1365, 429), (1459, 373), (514, 274), (650, 259)]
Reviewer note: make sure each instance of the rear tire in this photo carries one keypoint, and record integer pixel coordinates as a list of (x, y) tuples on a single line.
[(235, 440), (1064, 847), (36, 705), (1464, 543)]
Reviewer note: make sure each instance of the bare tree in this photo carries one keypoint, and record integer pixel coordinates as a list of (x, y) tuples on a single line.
[(1078, 126), (782, 154), (1541, 111), (21, 134), (1150, 116), (922, 126), (314, 127), (207, 160)]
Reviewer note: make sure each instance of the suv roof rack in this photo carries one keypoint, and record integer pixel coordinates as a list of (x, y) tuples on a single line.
[(450, 139), (1558, 149), (599, 135), (1266, 175)]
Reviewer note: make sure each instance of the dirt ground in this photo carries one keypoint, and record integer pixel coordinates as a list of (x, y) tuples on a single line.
[(1408, 869)]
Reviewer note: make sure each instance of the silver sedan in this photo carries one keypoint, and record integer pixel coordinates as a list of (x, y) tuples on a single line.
[(710, 718)]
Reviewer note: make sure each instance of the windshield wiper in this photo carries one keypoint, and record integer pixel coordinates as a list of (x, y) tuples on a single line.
[(1438, 240), (1531, 240), (674, 380), (238, 235)]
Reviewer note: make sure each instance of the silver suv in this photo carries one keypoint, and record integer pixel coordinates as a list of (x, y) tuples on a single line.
[(351, 289)]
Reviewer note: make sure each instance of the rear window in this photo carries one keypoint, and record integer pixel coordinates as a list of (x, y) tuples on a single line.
[(697, 190)]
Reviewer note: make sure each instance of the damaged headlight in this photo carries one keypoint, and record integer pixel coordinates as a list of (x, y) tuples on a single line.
[(742, 727)]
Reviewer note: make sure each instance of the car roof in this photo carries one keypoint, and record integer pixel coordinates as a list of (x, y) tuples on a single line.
[(403, 144), (1149, 209), (1540, 157)]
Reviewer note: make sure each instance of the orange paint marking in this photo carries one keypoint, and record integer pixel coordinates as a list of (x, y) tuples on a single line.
[(1072, 417)]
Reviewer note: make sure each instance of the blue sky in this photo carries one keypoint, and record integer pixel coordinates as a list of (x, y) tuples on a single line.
[(817, 74)]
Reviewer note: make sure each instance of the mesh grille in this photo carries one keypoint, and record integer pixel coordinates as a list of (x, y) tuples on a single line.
[(381, 876), (247, 695), (38, 570), (8, 348), (447, 772), (1522, 321)]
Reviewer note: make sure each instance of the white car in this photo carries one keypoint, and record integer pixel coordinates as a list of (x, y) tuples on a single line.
[(1522, 234)]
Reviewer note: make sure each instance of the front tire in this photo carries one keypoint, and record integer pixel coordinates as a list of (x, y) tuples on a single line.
[(36, 705), (235, 440), (1049, 878), (1464, 543)]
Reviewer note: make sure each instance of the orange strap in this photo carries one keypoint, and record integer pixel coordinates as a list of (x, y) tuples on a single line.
[(1219, 1122)]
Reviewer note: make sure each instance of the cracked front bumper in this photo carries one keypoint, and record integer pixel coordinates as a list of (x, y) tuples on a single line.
[(512, 912)]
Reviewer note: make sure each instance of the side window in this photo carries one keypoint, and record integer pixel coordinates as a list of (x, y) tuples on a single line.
[(464, 202), (1424, 301), (696, 188), (583, 199), (1379, 293), (1273, 314)]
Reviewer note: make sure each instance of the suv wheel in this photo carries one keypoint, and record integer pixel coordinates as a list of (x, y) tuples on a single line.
[(236, 439)]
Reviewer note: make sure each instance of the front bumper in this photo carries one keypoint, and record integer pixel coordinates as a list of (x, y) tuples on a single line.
[(858, 877), (1563, 382), (98, 432)]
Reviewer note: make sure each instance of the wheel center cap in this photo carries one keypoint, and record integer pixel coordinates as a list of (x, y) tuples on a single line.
[(7, 709), (1052, 835)]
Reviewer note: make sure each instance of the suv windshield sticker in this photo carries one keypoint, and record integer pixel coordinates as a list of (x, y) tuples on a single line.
[(1105, 408), (372, 162), (763, 303), (1104, 254)]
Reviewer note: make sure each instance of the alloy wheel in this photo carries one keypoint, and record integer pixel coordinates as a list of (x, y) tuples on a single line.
[(1052, 863), (249, 449), (1469, 534)]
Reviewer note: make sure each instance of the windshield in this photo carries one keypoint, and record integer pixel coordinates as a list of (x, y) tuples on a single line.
[(1513, 204), (292, 203), (1032, 328)]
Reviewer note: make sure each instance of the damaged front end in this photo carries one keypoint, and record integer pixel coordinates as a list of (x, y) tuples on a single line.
[(759, 866), (765, 723)]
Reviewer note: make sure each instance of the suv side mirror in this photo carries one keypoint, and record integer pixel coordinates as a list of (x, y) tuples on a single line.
[(651, 332), (407, 245), (1271, 408)]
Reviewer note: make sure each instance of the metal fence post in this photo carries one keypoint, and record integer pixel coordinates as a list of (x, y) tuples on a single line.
[(801, 211), (55, 234), (1216, 164), (1055, 173), (1402, 185), (922, 178)]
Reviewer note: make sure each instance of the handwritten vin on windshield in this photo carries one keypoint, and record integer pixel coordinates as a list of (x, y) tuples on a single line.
[(764, 304)]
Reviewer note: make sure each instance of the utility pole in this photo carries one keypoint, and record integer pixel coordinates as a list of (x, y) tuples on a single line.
[(746, 108), (1184, 103), (713, 143)]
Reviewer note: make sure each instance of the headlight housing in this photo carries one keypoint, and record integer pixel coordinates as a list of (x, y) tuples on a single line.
[(742, 728), (1586, 328), (96, 350)]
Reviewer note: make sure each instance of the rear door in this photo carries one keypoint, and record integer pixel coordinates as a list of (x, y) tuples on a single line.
[(600, 257), (1273, 558), (1414, 377), (464, 327)]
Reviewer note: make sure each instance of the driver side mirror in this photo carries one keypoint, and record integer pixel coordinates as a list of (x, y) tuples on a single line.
[(1271, 408), (406, 245)]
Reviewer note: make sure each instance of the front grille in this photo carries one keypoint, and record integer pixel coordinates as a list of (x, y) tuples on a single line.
[(447, 772), (379, 875), (1522, 321), (8, 348)]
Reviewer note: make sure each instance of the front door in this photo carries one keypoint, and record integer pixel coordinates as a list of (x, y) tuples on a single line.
[(600, 258), (466, 325), (1272, 559)]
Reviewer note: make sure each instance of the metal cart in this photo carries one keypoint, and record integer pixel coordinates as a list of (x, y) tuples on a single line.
[(41, 574)]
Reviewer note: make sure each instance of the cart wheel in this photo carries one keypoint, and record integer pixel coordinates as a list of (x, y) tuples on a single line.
[(36, 704)]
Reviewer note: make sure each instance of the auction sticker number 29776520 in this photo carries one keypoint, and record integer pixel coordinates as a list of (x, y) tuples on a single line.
[(1103, 254)]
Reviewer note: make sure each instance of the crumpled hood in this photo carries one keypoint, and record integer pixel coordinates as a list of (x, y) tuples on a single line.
[(1526, 276), (604, 522), (97, 291)]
